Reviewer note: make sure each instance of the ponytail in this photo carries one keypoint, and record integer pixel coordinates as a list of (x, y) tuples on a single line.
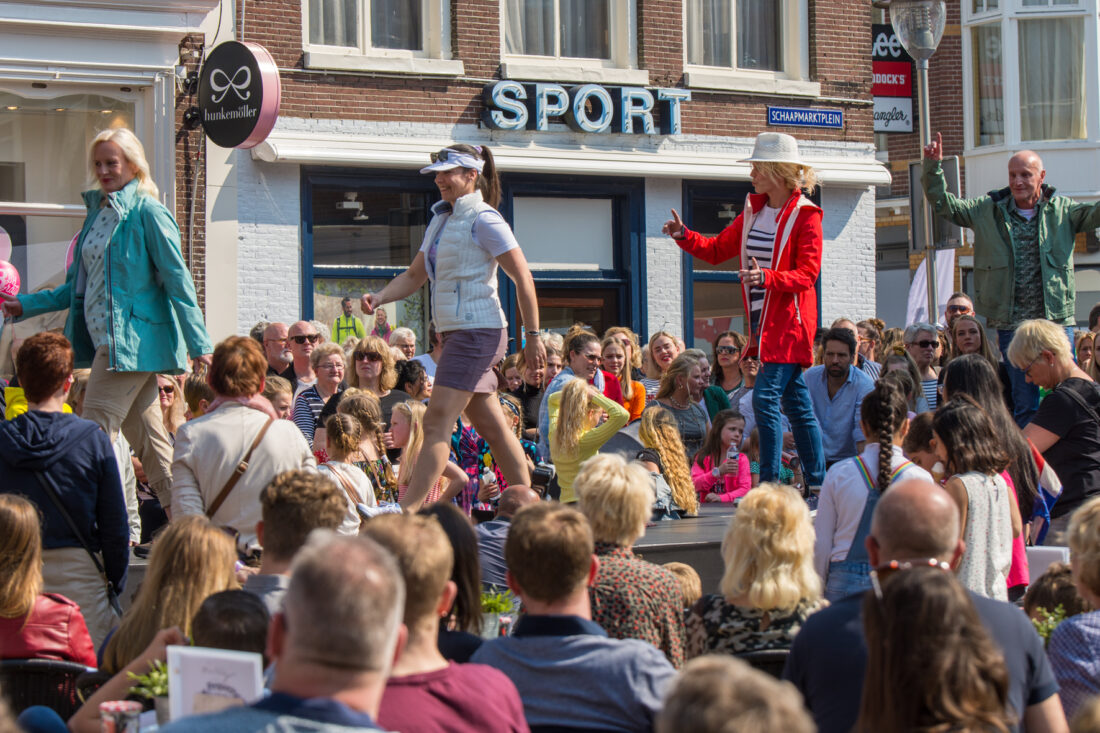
[(884, 411)]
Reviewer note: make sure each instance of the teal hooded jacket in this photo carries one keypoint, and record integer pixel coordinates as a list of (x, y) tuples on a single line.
[(155, 322)]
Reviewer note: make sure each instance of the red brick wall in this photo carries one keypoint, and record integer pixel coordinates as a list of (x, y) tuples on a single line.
[(839, 50), (189, 152)]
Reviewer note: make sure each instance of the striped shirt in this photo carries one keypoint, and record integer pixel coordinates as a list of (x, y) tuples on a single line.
[(931, 395), (761, 244)]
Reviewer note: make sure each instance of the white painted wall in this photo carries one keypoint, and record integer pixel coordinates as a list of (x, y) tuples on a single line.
[(848, 254)]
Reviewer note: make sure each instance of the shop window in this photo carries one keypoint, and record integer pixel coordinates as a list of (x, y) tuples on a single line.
[(571, 40), (985, 6), (43, 169), (988, 83), (752, 45), (1052, 78), (379, 35), (565, 233), (359, 233)]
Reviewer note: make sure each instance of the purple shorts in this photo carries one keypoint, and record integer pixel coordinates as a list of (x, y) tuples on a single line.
[(469, 357)]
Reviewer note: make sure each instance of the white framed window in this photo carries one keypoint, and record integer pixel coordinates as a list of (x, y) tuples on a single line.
[(748, 45), (571, 40), (411, 36), (1026, 71)]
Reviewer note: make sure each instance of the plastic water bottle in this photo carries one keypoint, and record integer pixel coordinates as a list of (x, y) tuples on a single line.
[(733, 454)]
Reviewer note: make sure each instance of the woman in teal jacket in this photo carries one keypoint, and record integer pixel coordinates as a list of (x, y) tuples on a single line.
[(131, 300)]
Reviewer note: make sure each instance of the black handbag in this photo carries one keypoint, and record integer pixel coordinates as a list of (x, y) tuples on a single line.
[(51, 491)]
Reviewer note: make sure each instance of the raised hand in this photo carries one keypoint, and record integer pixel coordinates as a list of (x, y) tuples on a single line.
[(367, 303), (674, 227), (934, 149)]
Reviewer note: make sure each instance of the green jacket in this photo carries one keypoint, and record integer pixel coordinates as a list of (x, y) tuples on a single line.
[(155, 321), (345, 326), (1060, 219)]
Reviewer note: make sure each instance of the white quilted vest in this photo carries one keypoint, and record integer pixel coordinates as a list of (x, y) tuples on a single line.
[(464, 279)]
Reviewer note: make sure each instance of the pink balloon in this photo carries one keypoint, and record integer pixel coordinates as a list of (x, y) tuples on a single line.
[(70, 251), (5, 244), (9, 278)]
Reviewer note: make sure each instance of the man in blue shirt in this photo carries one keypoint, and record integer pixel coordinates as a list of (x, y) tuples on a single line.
[(914, 521), (569, 674), (837, 389), (332, 645), (491, 535)]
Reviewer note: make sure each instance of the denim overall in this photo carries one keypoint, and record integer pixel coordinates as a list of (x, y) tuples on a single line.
[(852, 574)]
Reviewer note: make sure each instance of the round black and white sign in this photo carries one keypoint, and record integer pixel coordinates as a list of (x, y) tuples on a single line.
[(239, 94)]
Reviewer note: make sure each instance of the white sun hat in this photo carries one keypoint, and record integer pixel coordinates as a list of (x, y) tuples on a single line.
[(774, 147)]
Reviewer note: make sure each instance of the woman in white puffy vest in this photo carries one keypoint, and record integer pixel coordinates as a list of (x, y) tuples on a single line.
[(465, 241)]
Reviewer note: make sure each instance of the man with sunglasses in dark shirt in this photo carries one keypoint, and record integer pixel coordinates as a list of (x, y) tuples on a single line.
[(916, 523), (303, 339)]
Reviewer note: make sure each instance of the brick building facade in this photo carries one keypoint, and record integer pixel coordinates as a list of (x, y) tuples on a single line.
[(355, 126)]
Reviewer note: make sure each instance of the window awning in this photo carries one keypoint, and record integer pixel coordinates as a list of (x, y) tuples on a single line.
[(309, 148)]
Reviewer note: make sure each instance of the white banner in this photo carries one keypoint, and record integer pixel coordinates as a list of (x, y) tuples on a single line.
[(918, 289)]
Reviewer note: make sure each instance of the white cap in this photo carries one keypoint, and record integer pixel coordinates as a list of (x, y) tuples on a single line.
[(448, 159)]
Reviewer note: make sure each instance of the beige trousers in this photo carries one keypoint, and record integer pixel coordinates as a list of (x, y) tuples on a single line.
[(128, 401), (70, 572)]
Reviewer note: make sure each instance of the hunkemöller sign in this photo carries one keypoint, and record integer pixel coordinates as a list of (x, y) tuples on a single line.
[(239, 94), (510, 105)]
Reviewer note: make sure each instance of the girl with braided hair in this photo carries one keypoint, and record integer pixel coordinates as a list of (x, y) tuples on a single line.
[(852, 488)]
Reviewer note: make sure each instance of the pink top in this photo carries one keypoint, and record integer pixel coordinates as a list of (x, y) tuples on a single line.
[(734, 487), (1018, 573)]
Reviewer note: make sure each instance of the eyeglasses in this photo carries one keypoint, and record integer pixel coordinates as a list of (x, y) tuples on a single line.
[(749, 359), (331, 367), (278, 341), (925, 344), (884, 571), (167, 390), (313, 338), (1027, 370), (368, 356), (958, 309), (726, 350)]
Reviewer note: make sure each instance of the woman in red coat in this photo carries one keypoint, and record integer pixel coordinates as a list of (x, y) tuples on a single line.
[(781, 228), (33, 624)]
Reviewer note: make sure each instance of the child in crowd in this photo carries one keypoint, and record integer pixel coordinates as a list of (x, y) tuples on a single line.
[(280, 394), (790, 471), (198, 395), (918, 447), (853, 487), (966, 443), (371, 457), (341, 441), (720, 472), (1052, 589), (407, 429), (691, 586)]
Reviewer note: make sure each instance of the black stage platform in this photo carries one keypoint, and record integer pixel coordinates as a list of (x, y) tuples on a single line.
[(695, 541)]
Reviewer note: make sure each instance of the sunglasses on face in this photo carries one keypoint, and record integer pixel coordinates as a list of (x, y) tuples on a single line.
[(277, 341), (925, 344), (368, 356), (726, 350), (310, 337), (750, 359), (167, 390), (958, 309)]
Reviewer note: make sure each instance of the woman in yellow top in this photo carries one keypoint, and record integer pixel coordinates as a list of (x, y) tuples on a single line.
[(574, 434)]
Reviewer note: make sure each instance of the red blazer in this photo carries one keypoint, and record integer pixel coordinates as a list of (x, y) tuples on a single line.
[(54, 629), (788, 320)]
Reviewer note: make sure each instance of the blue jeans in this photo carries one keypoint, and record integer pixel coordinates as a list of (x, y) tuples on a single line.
[(1025, 397), (783, 383)]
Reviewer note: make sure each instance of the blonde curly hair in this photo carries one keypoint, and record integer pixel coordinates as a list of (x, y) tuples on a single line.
[(658, 431)]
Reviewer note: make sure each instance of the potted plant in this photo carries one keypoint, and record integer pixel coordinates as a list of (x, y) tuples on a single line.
[(153, 686), (495, 607)]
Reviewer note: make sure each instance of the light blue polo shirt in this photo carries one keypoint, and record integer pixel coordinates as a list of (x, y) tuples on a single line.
[(839, 416)]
